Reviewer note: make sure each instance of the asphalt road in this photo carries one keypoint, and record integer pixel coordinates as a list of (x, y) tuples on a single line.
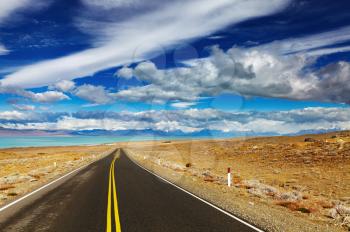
[(114, 194)]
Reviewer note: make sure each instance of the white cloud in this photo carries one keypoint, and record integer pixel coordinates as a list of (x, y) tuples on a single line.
[(137, 37), (279, 69), (24, 107), (9, 6), (93, 94), (182, 105), (44, 97), (107, 4), (3, 50), (69, 123), (326, 51), (12, 115), (248, 72), (314, 45), (171, 126), (64, 86), (6, 8), (49, 96), (97, 95), (188, 121), (125, 72)]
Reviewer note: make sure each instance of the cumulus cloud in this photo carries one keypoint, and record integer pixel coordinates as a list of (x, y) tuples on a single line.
[(93, 94), (125, 72), (63, 86), (13, 115), (248, 72), (333, 83), (49, 96), (280, 69), (137, 37), (188, 121), (10, 118), (44, 97), (97, 95)]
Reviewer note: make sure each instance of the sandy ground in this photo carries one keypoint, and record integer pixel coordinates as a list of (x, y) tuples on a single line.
[(25, 169), (279, 183)]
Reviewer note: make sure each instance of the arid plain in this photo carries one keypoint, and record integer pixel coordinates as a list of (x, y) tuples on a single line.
[(301, 183)]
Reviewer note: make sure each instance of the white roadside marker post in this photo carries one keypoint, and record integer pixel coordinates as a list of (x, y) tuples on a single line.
[(55, 164), (229, 177)]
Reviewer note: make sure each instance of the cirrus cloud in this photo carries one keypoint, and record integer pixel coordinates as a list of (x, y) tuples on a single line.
[(137, 37)]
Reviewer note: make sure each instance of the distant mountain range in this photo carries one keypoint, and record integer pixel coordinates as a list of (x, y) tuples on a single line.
[(148, 132)]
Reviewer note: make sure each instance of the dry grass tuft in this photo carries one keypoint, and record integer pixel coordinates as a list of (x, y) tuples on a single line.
[(35, 176), (4, 187), (294, 206)]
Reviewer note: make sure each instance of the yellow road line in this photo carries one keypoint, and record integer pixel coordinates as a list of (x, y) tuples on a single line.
[(115, 202), (112, 190)]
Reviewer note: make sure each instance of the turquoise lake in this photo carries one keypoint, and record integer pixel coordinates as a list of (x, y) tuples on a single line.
[(42, 141)]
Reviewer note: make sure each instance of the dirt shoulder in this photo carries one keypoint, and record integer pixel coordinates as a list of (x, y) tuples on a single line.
[(24, 169), (297, 183)]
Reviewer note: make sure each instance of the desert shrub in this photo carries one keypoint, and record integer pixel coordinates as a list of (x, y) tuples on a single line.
[(304, 210), (237, 180), (12, 194), (310, 140), (291, 196)]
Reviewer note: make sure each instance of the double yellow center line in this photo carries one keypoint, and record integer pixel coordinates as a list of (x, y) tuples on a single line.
[(112, 199)]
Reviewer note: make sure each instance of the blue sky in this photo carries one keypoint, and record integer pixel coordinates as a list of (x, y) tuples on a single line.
[(178, 60)]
